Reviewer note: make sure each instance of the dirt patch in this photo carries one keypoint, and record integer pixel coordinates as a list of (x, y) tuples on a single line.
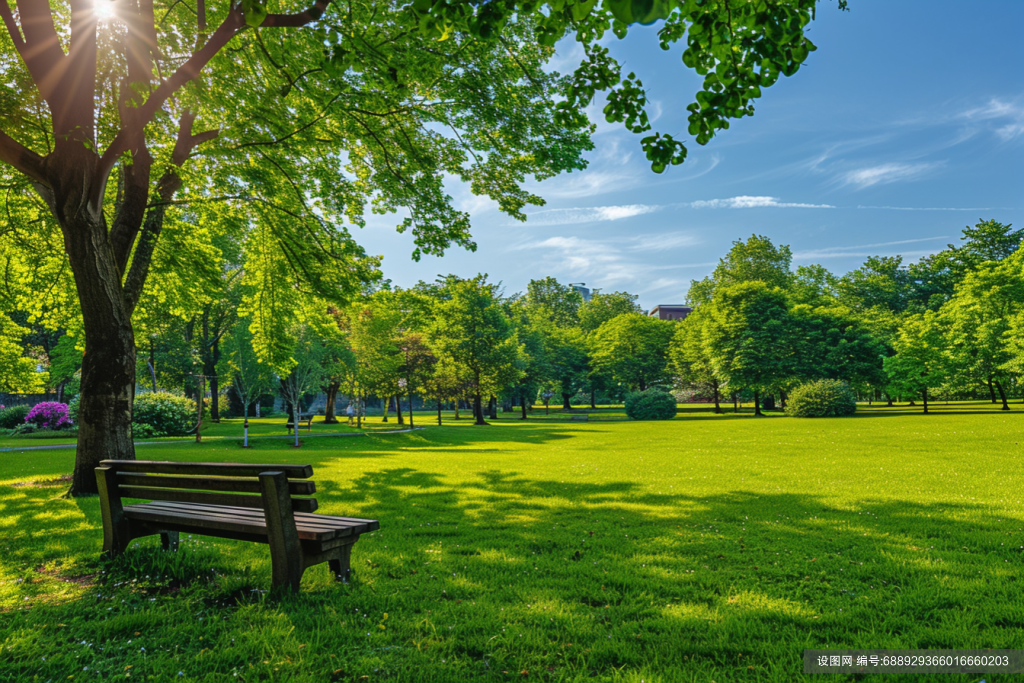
[(83, 580), (62, 480)]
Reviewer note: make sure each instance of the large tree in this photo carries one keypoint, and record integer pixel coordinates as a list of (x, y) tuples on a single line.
[(919, 363), (603, 307), (633, 349), (689, 356), (756, 260), (105, 112), (472, 332), (978, 323), (749, 334)]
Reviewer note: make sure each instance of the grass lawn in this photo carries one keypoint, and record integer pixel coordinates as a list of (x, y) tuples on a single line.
[(708, 548)]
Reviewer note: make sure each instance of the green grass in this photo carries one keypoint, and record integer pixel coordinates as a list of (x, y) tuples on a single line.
[(707, 548)]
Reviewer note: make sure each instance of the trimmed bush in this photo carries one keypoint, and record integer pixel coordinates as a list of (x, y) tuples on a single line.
[(167, 414), (823, 398), (49, 415), (141, 432), (73, 409), (653, 404), (13, 416)]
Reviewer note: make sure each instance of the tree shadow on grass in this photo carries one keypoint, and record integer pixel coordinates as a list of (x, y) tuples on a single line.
[(502, 572), (718, 583)]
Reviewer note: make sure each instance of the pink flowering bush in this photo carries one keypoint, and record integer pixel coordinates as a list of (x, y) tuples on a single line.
[(49, 415)]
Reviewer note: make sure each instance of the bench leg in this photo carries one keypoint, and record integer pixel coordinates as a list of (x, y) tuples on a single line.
[(116, 534), (282, 536), (169, 540), (115, 544), (340, 566)]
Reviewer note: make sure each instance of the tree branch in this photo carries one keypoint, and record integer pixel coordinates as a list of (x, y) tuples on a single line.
[(185, 73), (21, 157), (153, 224), (12, 28), (41, 51), (186, 141), (169, 183), (132, 209), (308, 16)]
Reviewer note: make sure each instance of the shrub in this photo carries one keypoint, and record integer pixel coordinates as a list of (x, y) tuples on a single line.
[(144, 431), (823, 398), (73, 409), (652, 404), (29, 431), (49, 415), (13, 416), (167, 414)]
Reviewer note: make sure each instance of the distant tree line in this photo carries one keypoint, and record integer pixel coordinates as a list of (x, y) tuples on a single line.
[(949, 325)]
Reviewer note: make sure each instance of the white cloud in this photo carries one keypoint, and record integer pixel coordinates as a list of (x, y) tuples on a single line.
[(995, 109), (1010, 131), (587, 184), (886, 173), (748, 202), (613, 263), (596, 214), (925, 208), (827, 254), (668, 240), (838, 252)]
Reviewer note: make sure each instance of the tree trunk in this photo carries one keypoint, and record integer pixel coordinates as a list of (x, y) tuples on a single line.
[(494, 407), (152, 362), (478, 408), (522, 402), (199, 410), (1002, 395), (735, 403), (332, 398), (565, 401), (783, 397), (593, 405), (214, 383), (245, 425), (757, 403), (991, 390), (924, 396), (457, 409), (714, 387), (108, 365), (438, 412), (386, 402), (643, 384), (410, 411), (398, 409)]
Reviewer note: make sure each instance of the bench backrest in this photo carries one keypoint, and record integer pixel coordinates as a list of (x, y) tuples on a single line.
[(210, 483)]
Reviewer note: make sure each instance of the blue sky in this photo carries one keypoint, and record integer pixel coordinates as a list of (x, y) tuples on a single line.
[(906, 125)]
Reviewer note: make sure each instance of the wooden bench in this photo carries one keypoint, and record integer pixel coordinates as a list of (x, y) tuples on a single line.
[(306, 418), (216, 499)]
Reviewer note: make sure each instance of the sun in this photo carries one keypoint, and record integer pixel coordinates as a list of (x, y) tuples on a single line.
[(103, 9)]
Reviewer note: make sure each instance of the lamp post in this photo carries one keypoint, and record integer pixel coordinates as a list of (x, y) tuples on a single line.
[(201, 394), (408, 382)]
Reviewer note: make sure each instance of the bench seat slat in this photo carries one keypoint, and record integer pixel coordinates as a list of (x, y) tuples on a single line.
[(237, 485), (197, 522), (332, 522), (327, 528), (236, 469), (300, 504)]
